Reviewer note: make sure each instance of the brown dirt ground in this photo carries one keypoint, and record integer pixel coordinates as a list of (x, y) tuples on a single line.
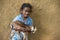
[(46, 17)]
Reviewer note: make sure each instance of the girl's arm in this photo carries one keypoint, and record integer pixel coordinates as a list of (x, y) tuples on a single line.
[(19, 26)]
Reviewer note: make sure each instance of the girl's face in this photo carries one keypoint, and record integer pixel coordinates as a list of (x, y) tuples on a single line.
[(26, 12)]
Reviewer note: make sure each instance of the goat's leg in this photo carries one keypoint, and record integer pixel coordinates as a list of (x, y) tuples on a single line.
[(25, 36)]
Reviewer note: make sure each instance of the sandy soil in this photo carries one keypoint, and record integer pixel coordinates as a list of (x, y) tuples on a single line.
[(46, 17)]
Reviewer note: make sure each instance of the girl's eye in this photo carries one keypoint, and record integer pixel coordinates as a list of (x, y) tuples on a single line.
[(27, 11)]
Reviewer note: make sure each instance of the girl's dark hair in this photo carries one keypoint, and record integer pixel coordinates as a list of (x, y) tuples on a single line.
[(26, 5)]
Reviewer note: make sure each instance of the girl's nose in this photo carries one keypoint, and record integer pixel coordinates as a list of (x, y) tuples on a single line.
[(27, 13)]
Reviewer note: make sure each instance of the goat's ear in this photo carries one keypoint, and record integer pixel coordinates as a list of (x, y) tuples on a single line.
[(11, 25)]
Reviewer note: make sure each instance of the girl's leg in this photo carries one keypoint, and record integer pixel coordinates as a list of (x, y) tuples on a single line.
[(16, 37)]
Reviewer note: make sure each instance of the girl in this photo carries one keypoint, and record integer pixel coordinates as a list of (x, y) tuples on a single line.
[(23, 17)]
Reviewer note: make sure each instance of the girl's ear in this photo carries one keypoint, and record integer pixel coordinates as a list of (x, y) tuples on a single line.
[(21, 11)]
